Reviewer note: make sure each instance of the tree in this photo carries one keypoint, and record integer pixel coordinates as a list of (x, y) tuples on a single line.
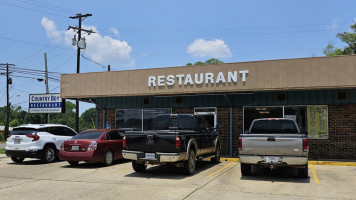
[(87, 119), (207, 62), (67, 118), (348, 38)]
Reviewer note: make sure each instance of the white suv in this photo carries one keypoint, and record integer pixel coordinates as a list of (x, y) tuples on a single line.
[(37, 141)]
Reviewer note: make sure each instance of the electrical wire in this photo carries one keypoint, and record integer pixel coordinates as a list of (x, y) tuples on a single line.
[(31, 9)]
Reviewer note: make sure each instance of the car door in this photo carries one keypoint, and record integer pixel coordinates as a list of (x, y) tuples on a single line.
[(206, 135), (115, 142)]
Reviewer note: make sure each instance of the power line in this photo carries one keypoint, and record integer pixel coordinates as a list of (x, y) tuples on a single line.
[(31, 9), (48, 6)]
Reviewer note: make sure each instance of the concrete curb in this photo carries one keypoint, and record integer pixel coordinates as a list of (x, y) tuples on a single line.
[(334, 163)]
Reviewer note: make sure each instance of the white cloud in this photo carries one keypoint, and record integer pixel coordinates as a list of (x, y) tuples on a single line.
[(101, 49), (115, 31), (50, 27), (333, 25), (209, 48)]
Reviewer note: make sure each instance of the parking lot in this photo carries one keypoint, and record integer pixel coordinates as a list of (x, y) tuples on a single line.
[(34, 180)]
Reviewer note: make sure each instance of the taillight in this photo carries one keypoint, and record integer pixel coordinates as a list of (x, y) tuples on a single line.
[(124, 142), (305, 145), (239, 144), (178, 143), (8, 135), (92, 146), (35, 137)]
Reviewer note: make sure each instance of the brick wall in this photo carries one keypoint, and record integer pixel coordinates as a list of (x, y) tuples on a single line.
[(342, 135), (109, 116), (340, 145)]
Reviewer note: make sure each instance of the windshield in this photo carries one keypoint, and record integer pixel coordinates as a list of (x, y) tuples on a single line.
[(88, 135), (165, 122), (23, 131), (274, 126)]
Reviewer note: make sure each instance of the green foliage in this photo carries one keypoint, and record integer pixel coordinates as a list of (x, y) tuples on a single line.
[(67, 118), (346, 37), (87, 119), (207, 62)]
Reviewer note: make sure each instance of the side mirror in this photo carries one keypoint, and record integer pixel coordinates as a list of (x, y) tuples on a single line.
[(217, 128), (305, 132)]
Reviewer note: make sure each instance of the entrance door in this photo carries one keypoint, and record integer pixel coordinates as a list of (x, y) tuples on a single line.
[(208, 113)]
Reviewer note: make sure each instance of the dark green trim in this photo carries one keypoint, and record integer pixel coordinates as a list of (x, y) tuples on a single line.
[(312, 97)]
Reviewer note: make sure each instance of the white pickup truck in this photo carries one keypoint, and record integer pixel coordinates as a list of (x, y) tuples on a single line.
[(272, 143)]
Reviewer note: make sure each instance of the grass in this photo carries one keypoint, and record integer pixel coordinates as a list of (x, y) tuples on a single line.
[(2, 151)]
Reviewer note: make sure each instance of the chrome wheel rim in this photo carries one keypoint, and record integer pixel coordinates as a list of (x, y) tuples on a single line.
[(109, 157), (191, 162), (50, 154)]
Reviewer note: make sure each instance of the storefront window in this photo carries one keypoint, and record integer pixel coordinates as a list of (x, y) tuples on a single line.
[(150, 114), (129, 118), (312, 118), (251, 113), (138, 118)]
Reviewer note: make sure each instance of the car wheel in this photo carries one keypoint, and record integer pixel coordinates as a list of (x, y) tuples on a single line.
[(17, 159), (73, 163), (139, 167), (216, 159), (189, 165), (49, 154), (245, 169), (108, 158), (303, 172)]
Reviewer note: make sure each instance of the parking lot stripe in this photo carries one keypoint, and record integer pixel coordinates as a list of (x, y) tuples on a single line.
[(226, 166), (124, 170), (314, 174)]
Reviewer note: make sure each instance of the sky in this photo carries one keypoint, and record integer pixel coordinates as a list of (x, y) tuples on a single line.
[(140, 34)]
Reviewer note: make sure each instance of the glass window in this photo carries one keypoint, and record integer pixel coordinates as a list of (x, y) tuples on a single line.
[(114, 135), (181, 123), (274, 126), (23, 131), (313, 118), (88, 135), (129, 118), (251, 113), (140, 119), (150, 114), (68, 132)]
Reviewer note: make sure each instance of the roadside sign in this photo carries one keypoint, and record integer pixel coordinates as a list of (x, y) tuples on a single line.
[(46, 103)]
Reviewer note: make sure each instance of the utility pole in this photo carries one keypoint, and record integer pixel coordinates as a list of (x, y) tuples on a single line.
[(80, 17), (8, 81), (46, 82), (108, 67)]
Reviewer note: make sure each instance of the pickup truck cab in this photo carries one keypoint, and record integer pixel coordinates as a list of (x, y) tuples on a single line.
[(177, 139), (272, 143)]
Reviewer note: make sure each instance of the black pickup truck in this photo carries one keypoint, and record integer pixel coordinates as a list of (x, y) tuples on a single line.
[(177, 139)]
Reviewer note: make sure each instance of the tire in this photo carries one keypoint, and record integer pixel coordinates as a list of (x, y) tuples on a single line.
[(139, 167), (17, 159), (303, 172), (73, 163), (190, 164), (245, 169), (216, 159), (108, 158), (49, 154)]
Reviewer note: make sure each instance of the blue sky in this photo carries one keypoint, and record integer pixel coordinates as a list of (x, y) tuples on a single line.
[(161, 33)]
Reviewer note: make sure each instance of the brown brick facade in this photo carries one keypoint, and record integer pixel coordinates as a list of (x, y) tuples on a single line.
[(340, 145)]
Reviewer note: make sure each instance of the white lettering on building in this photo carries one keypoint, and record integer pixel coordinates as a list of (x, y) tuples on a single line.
[(188, 79)]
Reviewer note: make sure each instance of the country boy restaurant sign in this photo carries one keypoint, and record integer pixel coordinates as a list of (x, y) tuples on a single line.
[(45, 103)]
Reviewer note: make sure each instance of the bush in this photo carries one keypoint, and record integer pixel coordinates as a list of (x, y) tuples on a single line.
[(2, 139)]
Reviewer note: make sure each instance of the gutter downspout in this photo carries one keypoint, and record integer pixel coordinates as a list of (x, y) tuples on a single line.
[(104, 112), (230, 119)]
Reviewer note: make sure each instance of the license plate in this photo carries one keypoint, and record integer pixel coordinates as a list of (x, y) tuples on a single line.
[(150, 155), (272, 159), (17, 141), (75, 148)]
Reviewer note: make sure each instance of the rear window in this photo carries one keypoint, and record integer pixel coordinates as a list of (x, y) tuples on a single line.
[(88, 135), (274, 126), (165, 122), (23, 131)]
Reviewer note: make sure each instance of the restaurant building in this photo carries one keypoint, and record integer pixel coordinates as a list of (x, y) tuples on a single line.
[(318, 92)]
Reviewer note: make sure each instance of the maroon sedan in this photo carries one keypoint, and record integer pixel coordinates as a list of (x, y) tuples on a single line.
[(93, 146)]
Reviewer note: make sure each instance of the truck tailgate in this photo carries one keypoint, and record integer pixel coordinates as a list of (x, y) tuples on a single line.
[(272, 144), (149, 141)]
